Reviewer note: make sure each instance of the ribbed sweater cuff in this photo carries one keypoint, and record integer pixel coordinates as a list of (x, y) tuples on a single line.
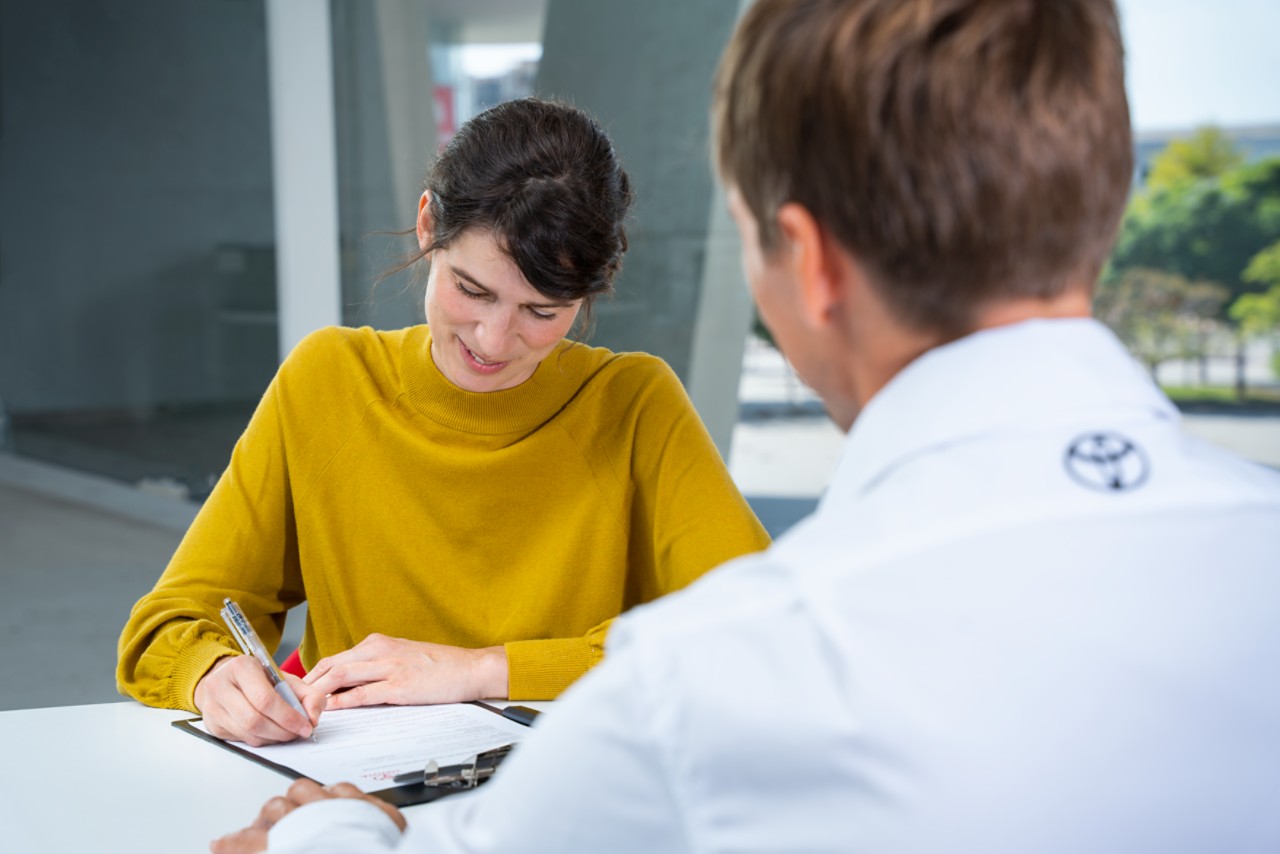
[(189, 669), (542, 669)]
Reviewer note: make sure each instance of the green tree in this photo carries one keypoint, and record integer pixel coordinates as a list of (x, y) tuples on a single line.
[(1204, 230), (1259, 313), (1201, 224), (1207, 153), (1264, 268), (1159, 315)]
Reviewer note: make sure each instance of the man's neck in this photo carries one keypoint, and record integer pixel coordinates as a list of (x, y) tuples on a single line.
[(1076, 302), (885, 347)]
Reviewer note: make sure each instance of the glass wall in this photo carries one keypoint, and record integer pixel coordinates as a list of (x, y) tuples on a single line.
[(137, 295), (138, 299)]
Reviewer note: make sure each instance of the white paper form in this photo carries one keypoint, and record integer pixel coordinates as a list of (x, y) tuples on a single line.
[(371, 745)]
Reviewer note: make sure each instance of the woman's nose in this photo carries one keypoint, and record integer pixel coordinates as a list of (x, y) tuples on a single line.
[(493, 335)]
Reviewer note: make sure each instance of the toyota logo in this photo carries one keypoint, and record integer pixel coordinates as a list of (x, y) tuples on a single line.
[(1107, 462)]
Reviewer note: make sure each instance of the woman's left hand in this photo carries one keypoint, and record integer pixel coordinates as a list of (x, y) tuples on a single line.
[(401, 672)]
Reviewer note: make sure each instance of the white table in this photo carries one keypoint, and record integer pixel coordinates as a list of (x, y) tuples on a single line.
[(117, 777)]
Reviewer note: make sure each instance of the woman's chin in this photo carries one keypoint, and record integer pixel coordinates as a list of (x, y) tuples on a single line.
[(476, 381)]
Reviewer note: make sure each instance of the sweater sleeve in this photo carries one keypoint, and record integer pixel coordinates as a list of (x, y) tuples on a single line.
[(687, 517), (243, 545), (543, 669)]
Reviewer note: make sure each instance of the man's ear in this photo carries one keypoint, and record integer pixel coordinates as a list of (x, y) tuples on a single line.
[(426, 225), (814, 265)]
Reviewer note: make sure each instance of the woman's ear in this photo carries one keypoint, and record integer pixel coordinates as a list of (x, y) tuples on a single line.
[(814, 269), (426, 225)]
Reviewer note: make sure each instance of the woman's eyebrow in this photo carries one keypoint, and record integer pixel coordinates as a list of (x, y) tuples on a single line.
[(549, 304), (463, 274)]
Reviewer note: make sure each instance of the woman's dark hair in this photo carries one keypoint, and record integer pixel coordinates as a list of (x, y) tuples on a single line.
[(542, 177)]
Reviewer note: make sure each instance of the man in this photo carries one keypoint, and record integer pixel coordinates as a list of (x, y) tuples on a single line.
[(1029, 614)]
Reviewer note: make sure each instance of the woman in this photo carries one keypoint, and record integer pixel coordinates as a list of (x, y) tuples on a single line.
[(464, 505)]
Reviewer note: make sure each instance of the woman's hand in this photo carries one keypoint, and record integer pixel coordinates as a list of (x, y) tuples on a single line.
[(253, 838), (383, 669), (238, 703)]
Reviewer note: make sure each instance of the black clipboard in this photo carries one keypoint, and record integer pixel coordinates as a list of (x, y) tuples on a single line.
[(405, 795)]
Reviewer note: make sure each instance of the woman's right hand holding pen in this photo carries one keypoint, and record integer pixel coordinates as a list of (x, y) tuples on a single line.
[(238, 703)]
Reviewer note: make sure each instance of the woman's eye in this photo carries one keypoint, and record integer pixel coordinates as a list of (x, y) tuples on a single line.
[(466, 290), (541, 315)]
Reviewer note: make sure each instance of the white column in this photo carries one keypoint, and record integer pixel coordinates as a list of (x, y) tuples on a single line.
[(407, 94), (720, 329), (304, 167)]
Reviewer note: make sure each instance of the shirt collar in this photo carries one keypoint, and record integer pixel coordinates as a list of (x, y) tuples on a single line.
[(1029, 374)]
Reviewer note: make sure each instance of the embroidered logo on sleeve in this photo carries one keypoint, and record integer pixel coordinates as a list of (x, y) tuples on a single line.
[(1107, 462)]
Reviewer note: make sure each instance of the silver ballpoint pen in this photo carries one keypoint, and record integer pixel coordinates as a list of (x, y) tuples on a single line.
[(252, 645)]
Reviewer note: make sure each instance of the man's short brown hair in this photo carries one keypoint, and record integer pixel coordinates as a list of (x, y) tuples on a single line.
[(966, 151)]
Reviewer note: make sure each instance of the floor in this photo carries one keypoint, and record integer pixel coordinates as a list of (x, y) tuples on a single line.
[(70, 572)]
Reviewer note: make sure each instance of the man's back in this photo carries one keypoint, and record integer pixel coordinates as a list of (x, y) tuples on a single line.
[(1039, 619), (1029, 616)]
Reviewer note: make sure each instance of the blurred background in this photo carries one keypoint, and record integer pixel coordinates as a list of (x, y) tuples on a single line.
[(187, 188)]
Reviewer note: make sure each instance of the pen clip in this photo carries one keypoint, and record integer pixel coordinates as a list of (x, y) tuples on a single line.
[(251, 644)]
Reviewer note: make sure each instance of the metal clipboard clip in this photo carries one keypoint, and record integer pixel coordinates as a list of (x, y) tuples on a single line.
[(465, 775)]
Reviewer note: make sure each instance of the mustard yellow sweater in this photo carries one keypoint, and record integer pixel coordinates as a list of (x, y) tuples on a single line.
[(392, 501)]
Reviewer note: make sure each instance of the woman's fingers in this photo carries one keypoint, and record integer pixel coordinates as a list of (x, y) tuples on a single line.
[(313, 700), (347, 674), (239, 703), (265, 716), (383, 669), (369, 694), (372, 648)]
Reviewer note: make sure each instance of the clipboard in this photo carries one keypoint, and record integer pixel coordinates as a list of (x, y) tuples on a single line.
[(404, 795)]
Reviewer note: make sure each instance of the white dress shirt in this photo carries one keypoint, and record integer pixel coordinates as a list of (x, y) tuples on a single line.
[(1029, 615)]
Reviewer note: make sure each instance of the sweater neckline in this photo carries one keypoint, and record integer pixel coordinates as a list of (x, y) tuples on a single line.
[(514, 410)]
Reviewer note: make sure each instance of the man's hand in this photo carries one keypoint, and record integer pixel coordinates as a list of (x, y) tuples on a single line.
[(254, 837), (383, 669), (238, 703)]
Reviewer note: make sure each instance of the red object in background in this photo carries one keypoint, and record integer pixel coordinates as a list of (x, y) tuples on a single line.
[(446, 120), (293, 665)]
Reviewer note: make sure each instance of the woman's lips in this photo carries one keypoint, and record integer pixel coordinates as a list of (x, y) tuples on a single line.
[(475, 364)]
